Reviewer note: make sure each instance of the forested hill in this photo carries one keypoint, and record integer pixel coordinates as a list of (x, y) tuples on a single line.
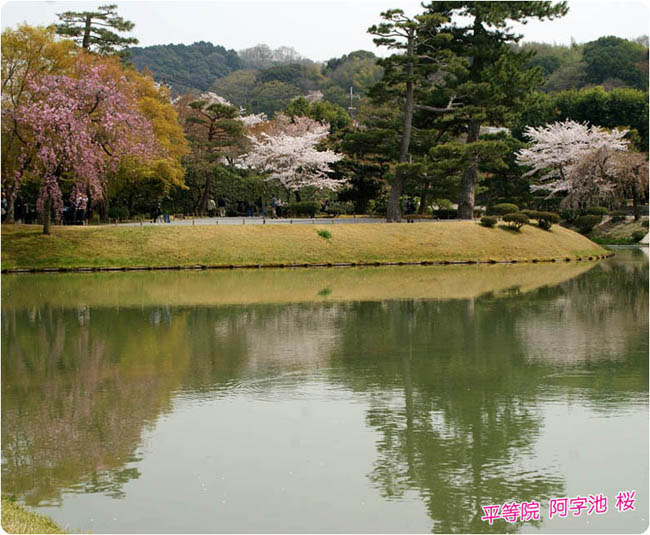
[(186, 67), (259, 78), (266, 80)]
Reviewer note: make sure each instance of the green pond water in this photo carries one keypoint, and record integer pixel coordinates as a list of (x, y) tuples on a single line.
[(334, 400)]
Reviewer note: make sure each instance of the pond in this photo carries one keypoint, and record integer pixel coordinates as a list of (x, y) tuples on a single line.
[(326, 400)]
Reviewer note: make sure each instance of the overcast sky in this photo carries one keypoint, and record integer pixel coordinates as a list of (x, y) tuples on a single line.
[(317, 29)]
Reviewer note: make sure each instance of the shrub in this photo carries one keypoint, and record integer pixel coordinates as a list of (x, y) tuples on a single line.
[(488, 221), (445, 213), (503, 209), (325, 234), (644, 224), (638, 235), (478, 212), (303, 208), (532, 214), (443, 204), (340, 207), (516, 220), (546, 220), (597, 210), (569, 215), (586, 223), (378, 206), (618, 216), (118, 212)]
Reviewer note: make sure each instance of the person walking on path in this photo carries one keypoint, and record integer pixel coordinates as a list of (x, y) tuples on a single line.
[(212, 207), (275, 204), (222, 207)]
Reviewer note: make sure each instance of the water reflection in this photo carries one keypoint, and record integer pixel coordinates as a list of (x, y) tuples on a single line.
[(455, 391)]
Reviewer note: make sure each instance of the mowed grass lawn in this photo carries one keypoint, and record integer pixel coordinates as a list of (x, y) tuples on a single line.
[(24, 246)]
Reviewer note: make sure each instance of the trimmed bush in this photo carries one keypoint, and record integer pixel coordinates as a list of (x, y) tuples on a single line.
[(118, 212), (503, 209), (336, 208), (569, 215), (516, 220), (488, 221), (445, 213), (618, 216), (597, 210), (586, 223), (546, 220), (638, 235), (303, 208), (532, 214)]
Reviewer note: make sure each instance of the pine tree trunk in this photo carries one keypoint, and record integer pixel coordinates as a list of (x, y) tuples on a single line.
[(86, 40), (203, 203), (47, 208), (423, 200), (468, 178), (393, 212), (635, 204)]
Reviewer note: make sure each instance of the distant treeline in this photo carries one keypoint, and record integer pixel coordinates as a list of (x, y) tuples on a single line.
[(259, 78), (262, 79)]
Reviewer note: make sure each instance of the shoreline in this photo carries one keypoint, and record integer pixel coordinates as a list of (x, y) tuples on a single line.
[(200, 267)]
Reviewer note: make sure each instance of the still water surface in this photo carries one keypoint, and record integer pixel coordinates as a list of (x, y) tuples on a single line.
[(360, 400)]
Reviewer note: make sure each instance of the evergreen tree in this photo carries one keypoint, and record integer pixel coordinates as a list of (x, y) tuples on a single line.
[(95, 30), (422, 54), (499, 79)]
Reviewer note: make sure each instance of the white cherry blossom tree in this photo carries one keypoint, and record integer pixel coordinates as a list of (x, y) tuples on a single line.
[(286, 151), (556, 149)]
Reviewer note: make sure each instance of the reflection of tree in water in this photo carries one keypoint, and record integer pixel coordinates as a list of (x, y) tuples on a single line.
[(454, 401), (455, 394), (238, 343), (78, 387), (594, 319)]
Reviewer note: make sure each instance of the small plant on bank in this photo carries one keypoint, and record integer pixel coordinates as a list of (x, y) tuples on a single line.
[(488, 221), (503, 209), (638, 235), (325, 234), (516, 220), (586, 223)]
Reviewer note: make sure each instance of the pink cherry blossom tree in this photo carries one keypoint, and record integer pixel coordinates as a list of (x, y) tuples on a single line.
[(78, 128), (556, 149), (287, 152)]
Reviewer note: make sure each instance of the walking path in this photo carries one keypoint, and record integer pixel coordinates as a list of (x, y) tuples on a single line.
[(278, 221)]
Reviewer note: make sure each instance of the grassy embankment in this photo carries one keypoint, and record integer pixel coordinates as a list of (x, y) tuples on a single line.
[(618, 233), (159, 246), (16, 519)]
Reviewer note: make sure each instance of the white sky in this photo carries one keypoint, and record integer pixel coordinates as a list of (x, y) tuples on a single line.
[(317, 29)]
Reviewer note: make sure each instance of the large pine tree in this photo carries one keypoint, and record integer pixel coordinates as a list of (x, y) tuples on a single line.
[(96, 30), (499, 79)]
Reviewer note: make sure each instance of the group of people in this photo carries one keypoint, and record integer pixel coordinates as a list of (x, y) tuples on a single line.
[(218, 207)]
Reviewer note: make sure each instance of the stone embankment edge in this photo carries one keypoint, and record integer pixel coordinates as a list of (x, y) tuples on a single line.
[(303, 265)]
